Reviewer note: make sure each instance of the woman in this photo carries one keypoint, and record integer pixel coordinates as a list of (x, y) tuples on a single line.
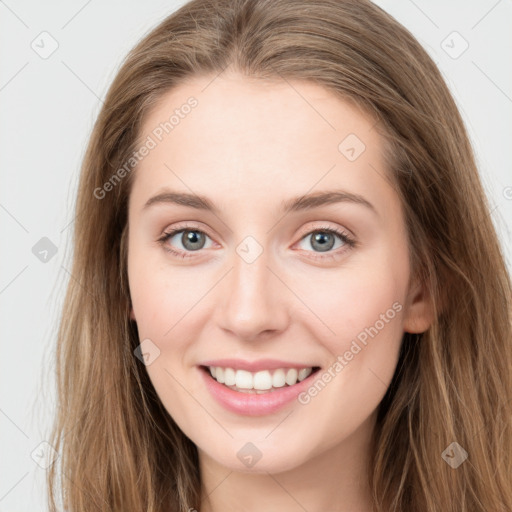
[(288, 293)]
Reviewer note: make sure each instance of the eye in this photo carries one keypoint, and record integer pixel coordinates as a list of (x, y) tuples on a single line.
[(323, 240), (191, 240)]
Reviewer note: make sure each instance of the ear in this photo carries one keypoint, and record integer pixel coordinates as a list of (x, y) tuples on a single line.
[(132, 314), (419, 312)]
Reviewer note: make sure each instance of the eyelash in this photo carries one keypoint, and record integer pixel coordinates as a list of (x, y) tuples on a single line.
[(346, 239)]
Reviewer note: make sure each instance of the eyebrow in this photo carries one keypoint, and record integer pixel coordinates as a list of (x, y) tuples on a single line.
[(295, 204)]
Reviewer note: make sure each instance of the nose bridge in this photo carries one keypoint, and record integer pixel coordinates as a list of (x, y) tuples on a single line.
[(254, 296)]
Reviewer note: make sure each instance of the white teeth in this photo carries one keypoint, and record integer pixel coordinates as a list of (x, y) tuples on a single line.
[(244, 379), (305, 372), (291, 376), (219, 374), (262, 380), (278, 379), (259, 382), (229, 377)]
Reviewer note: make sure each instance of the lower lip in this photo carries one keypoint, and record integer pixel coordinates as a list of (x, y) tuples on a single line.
[(252, 404)]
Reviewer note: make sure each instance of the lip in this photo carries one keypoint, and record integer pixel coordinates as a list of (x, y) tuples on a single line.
[(256, 366), (249, 404)]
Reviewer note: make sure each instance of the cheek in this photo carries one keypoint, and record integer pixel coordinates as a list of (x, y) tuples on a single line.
[(163, 304), (351, 301), (367, 319), (364, 338), (361, 311), (161, 297)]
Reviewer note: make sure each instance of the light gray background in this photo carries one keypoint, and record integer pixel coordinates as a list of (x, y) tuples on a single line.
[(48, 106)]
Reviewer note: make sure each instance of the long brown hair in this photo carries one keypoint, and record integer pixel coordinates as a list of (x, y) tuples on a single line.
[(119, 448)]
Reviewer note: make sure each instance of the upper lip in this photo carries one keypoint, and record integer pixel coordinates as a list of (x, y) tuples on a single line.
[(255, 366)]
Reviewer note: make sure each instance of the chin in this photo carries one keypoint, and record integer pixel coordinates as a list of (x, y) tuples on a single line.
[(260, 457)]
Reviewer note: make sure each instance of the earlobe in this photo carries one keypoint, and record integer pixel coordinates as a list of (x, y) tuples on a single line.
[(419, 311)]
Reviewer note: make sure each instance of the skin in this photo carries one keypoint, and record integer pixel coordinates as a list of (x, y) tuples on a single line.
[(248, 146)]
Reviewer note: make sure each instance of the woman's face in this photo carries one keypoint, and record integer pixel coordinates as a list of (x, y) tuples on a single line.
[(289, 269)]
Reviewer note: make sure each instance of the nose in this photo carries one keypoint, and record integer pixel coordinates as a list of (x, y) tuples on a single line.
[(254, 301)]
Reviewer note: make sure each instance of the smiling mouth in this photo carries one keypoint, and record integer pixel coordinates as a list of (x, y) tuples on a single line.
[(265, 381)]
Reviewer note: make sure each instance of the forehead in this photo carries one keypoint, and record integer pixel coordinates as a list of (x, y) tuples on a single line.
[(258, 138)]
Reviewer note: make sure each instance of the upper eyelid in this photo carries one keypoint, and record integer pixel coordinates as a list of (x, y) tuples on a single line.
[(306, 231), (180, 228)]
